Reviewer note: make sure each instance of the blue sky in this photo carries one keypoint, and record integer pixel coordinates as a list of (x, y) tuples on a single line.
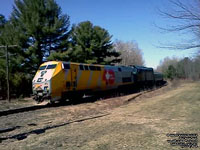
[(127, 20)]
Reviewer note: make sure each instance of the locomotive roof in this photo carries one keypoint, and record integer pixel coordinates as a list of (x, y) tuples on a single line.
[(109, 66), (158, 73), (81, 63), (143, 68), (112, 66)]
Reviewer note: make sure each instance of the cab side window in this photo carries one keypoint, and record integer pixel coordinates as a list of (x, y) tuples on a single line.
[(66, 66), (98, 68), (93, 68), (81, 67), (86, 67)]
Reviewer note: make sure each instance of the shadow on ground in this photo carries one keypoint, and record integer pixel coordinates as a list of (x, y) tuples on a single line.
[(87, 99), (24, 135)]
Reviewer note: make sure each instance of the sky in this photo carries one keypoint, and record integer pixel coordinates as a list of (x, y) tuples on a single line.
[(126, 20)]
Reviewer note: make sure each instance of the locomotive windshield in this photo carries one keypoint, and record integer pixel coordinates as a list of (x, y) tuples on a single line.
[(42, 67), (51, 66), (48, 67)]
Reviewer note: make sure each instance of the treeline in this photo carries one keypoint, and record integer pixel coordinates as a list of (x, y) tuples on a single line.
[(41, 33), (186, 68)]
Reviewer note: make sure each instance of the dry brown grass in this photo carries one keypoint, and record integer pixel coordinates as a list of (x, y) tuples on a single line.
[(140, 124)]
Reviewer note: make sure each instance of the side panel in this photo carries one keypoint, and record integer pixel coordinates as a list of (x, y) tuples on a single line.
[(141, 76), (71, 77), (149, 75), (89, 79), (118, 77), (109, 77), (82, 79), (74, 73), (58, 83), (127, 76), (101, 79), (95, 80)]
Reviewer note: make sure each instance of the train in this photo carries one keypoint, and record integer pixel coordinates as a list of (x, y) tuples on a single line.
[(60, 80)]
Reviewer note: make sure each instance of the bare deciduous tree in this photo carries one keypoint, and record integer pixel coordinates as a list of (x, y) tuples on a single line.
[(131, 54), (186, 16), (166, 62), (185, 68)]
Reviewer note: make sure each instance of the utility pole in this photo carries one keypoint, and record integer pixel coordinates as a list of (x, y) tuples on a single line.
[(7, 69), (7, 74)]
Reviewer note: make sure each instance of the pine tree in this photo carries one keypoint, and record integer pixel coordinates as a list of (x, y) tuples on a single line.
[(91, 44), (38, 28), (171, 72), (2, 59), (18, 75), (2, 22), (44, 29)]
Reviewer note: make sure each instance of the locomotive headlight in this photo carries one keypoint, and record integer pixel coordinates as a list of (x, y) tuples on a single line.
[(46, 88)]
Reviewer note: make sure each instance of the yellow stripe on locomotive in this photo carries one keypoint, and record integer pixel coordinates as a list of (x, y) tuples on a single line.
[(67, 79)]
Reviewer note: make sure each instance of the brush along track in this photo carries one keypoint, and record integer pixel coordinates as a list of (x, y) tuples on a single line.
[(42, 106)]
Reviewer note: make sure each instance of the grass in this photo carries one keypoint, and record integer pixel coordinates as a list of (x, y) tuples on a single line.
[(141, 124), (15, 103), (176, 111)]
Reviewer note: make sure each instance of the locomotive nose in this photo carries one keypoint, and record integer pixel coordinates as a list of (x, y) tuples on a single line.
[(42, 81)]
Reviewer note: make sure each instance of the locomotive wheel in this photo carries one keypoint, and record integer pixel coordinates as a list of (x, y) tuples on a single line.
[(38, 99), (52, 102)]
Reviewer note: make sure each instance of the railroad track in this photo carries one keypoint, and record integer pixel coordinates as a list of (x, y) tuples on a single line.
[(83, 100)]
